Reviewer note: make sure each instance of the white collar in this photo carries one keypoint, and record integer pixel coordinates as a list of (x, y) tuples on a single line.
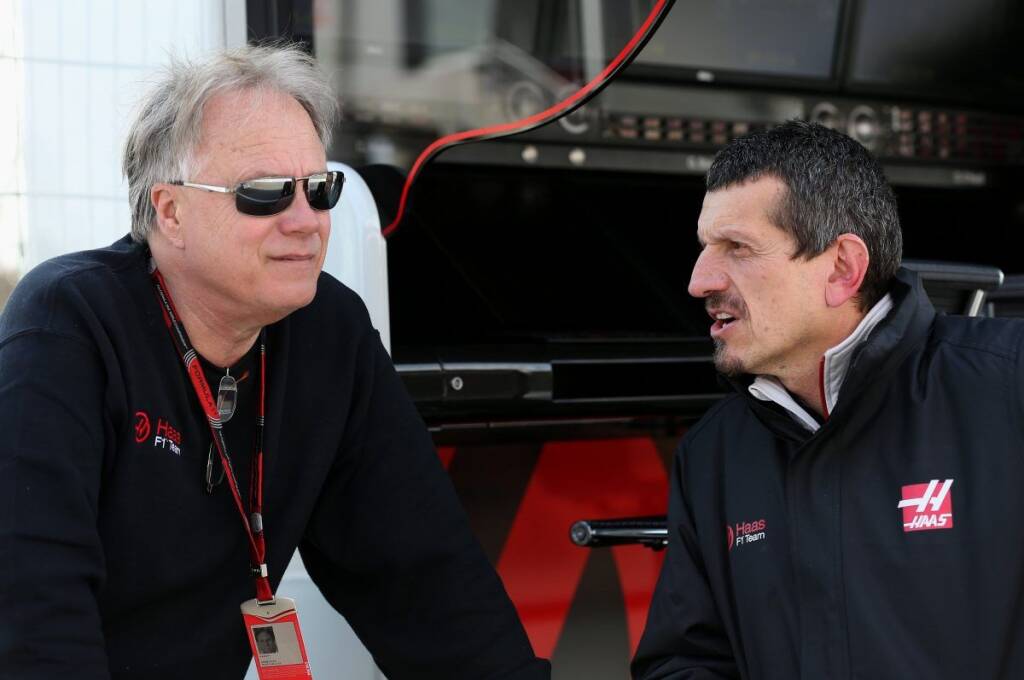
[(834, 366)]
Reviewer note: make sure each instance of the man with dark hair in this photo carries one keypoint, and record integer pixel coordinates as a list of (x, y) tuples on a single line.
[(851, 512)]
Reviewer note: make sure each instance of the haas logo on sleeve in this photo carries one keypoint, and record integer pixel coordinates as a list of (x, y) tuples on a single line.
[(927, 506)]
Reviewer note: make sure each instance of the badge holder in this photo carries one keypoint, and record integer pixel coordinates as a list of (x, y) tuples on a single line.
[(276, 640)]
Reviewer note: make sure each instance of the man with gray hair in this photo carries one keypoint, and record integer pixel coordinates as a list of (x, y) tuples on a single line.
[(185, 408), (851, 511)]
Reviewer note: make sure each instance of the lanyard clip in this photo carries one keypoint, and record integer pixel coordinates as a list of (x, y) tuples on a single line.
[(264, 595), (256, 523)]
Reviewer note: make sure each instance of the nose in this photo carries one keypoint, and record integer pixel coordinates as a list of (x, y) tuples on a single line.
[(707, 276), (299, 217)]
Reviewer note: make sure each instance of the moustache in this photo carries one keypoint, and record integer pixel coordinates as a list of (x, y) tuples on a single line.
[(726, 302)]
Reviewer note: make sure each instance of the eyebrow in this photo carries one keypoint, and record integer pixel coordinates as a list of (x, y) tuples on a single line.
[(730, 233), (249, 177), (259, 175)]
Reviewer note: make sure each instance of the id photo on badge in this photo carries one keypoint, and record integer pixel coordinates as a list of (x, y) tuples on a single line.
[(277, 644)]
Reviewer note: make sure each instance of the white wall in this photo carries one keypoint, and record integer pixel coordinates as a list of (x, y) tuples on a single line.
[(12, 170), (76, 69)]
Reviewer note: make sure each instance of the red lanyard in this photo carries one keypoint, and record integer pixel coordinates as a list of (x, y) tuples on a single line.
[(253, 520)]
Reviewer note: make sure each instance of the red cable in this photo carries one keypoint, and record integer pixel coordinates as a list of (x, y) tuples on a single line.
[(522, 125)]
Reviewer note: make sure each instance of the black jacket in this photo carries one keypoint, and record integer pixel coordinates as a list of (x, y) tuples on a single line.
[(789, 556), (114, 561)]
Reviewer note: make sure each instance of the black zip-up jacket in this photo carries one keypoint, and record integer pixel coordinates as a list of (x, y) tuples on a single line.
[(790, 555), (115, 562)]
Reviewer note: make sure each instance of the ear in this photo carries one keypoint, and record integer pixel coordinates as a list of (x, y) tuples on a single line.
[(849, 265), (165, 201)]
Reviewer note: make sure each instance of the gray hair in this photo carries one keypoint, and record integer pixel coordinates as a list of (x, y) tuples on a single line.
[(167, 129), (833, 186)]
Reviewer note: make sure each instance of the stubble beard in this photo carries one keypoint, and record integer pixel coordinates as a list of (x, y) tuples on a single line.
[(728, 366)]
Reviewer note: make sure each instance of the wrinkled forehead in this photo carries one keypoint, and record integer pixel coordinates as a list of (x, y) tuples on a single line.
[(744, 209), (243, 112), (254, 124)]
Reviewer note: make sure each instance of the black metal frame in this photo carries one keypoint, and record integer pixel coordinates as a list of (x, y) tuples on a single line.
[(271, 20)]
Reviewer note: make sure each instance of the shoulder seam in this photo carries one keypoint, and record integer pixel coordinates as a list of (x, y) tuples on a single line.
[(1002, 354), (44, 331), (62, 280)]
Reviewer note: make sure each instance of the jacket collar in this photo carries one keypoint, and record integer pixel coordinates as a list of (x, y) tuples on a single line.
[(870, 352), (834, 366)]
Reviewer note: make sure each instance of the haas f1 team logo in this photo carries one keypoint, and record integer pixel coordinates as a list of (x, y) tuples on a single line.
[(142, 426), (167, 436), (927, 506), (745, 532)]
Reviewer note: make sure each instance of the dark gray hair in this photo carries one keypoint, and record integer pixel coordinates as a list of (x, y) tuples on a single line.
[(163, 138), (833, 186)]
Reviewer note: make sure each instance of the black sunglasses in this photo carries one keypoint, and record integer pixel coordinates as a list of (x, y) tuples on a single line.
[(270, 195)]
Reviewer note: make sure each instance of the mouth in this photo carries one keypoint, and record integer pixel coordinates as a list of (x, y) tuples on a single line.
[(294, 258), (723, 321)]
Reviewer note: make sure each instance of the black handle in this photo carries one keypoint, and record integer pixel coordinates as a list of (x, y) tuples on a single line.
[(595, 533)]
